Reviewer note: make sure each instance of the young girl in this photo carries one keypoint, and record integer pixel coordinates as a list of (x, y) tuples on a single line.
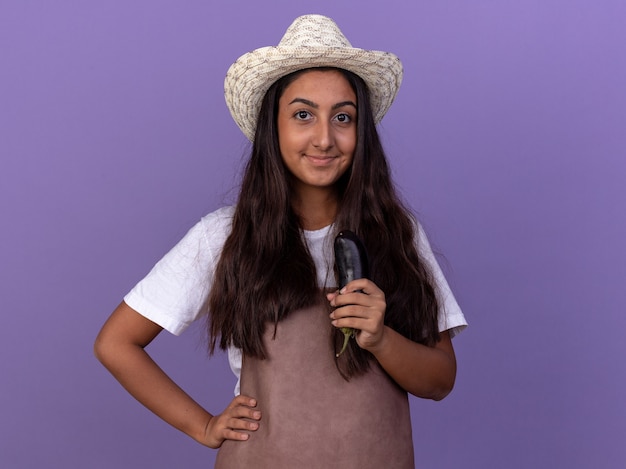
[(262, 273)]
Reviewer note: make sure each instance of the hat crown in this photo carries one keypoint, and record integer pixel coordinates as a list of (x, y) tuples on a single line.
[(314, 31)]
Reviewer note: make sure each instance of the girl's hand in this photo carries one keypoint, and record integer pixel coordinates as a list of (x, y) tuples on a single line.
[(360, 305), (229, 424)]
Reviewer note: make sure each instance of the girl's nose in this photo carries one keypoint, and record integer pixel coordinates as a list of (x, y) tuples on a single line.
[(323, 138)]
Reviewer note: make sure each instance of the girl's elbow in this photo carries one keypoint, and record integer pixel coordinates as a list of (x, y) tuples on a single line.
[(436, 390), (442, 393), (103, 350), (99, 349), (444, 387)]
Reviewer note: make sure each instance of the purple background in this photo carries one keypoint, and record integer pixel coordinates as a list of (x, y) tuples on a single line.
[(508, 137)]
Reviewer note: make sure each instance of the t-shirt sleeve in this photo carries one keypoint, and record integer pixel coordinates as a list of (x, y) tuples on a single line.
[(451, 317), (174, 292)]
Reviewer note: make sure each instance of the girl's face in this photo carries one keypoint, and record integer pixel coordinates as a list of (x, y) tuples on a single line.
[(317, 116)]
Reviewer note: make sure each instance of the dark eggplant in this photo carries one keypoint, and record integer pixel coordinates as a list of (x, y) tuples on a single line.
[(351, 264)]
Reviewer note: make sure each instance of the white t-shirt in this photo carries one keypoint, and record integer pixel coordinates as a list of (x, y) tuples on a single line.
[(173, 293)]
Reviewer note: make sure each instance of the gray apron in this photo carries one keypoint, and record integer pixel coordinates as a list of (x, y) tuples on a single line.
[(312, 417)]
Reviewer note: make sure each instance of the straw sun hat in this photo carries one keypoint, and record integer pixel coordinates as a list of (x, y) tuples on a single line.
[(310, 41)]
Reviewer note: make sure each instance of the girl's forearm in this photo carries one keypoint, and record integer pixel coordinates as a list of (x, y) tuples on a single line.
[(131, 365), (427, 372), (120, 346)]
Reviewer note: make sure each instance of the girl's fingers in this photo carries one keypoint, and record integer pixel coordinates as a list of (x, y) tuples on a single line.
[(361, 306), (349, 311), (243, 407), (241, 424), (242, 400), (359, 300), (361, 323), (239, 416), (234, 435), (362, 285)]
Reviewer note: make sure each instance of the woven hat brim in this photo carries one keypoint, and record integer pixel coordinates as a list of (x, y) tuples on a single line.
[(249, 78)]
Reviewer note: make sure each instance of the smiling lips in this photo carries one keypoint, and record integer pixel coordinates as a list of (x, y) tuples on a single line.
[(320, 160)]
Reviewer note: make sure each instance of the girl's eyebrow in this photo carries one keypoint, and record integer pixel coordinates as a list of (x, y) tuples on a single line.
[(316, 106)]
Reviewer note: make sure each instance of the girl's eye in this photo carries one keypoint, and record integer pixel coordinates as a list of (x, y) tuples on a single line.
[(343, 118), (302, 115)]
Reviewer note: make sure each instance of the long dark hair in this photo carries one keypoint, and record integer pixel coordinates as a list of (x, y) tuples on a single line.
[(265, 269)]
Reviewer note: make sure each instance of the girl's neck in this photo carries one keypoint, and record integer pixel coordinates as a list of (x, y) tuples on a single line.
[(316, 208)]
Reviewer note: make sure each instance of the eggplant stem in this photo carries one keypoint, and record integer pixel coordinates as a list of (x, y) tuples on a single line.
[(347, 333)]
